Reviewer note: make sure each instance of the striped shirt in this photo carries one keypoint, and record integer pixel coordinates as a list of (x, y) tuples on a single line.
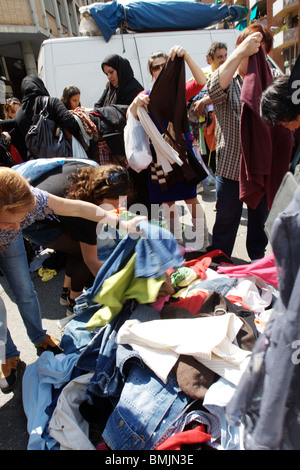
[(227, 106)]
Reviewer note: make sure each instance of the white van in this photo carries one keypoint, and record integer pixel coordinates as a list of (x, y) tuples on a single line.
[(77, 61)]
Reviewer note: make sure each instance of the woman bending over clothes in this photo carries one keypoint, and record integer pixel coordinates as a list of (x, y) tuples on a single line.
[(20, 206), (105, 184)]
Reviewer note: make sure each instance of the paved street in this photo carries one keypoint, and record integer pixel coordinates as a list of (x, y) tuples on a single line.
[(13, 424)]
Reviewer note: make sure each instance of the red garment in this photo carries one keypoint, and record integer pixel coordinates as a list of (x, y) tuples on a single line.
[(266, 150), (193, 436), (192, 88), (194, 302), (15, 154), (209, 133)]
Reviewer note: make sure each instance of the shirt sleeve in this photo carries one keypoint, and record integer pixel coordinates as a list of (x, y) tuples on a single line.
[(192, 88), (59, 113), (216, 93), (41, 210)]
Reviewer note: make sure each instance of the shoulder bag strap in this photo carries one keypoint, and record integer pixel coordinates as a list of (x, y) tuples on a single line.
[(45, 100)]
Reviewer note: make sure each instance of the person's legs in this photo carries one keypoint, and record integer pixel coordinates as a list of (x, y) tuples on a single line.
[(3, 330), (8, 364), (257, 239), (172, 217), (199, 226), (80, 277), (14, 265), (228, 215)]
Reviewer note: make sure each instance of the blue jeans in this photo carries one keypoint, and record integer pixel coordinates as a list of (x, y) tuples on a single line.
[(14, 265), (3, 330), (228, 216)]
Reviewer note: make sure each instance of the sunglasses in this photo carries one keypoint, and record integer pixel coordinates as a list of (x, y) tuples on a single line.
[(116, 178), (157, 67), (12, 100)]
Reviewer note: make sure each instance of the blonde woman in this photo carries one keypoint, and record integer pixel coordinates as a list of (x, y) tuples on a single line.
[(20, 206)]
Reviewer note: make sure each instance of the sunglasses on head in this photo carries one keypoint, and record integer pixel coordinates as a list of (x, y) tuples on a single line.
[(12, 100), (117, 177), (157, 67)]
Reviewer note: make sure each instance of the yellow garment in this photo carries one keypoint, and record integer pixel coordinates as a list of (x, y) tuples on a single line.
[(188, 291), (46, 274), (120, 287)]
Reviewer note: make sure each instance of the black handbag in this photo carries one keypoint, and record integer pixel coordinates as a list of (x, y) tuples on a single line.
[(42, 140)]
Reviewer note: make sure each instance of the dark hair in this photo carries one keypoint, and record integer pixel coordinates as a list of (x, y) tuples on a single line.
[(276, 103), (267, 39), (68, 92), (153, 56), (92, 184), (213, 47)]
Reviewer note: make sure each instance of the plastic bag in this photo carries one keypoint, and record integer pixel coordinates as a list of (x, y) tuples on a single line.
[(137, 146)]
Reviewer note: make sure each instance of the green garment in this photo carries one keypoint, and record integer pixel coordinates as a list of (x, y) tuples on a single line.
[(120, 287), (182, 276)]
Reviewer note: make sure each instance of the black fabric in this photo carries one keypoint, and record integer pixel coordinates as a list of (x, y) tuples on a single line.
[(31, 87), (110, 121), (5, 156)]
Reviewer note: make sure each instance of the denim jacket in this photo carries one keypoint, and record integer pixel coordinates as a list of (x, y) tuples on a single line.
[(146, 409), (143, 406)]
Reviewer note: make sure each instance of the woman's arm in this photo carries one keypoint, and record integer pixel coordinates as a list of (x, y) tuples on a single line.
[(7, 125), (196, 70), (248, 47), (89, 211), (89, 254), (60, 114)]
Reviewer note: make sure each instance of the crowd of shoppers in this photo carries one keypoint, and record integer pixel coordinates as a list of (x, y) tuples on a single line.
[(62, 207)]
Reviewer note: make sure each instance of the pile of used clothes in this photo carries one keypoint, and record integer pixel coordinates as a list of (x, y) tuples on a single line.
[(155, 354)]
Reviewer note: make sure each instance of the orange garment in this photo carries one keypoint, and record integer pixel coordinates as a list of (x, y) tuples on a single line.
[(209, 133)]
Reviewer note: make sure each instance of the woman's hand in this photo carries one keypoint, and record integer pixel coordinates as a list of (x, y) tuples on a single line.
[(196, 70), (177, 51), (130, 226), (141, 100), (250, 45), (238, 59)]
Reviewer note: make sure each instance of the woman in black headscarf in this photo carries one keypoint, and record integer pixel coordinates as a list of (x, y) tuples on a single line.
[(122, 87), (112, 106), (33, 90)]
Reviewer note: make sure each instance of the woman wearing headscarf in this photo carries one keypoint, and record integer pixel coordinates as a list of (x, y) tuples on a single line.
[(121, 89), (33, 90), (122, 86)]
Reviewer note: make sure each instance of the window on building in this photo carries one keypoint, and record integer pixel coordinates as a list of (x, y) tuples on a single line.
[(49, 7), (290, 55), (62, 12)]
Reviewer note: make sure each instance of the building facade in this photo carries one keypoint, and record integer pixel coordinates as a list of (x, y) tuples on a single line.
[(24, 25), (282, 18)]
